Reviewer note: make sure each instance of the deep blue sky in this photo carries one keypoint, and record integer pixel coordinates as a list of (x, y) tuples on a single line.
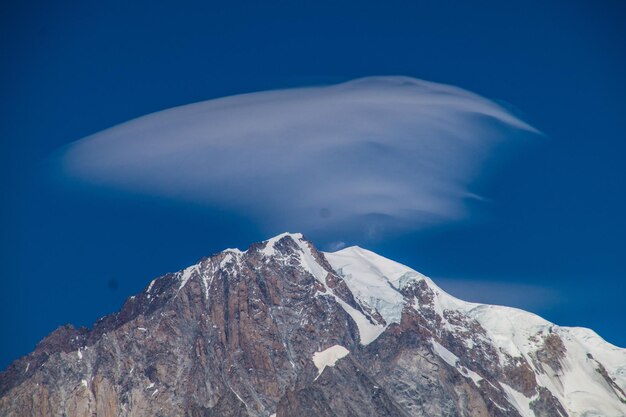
[(552, 239)]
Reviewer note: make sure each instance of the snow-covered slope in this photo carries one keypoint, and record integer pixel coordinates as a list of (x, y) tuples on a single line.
[(591, 375)]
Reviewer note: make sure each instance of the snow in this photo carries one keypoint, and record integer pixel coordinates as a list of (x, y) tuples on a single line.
[(206, 272), (83, 382), (497, 405), (376, 284), (234, 251), (374, 266), (519, 401), (472, 375), (239, 397), (308, 261), (150, 386), (226, 260), (329, 357), (79, 354), (186, 274), (368, 331), (510, 328), (269, 250), (453, 360), (612, 357), (371, 283), (580, 388), (305, 256), (449, 357)]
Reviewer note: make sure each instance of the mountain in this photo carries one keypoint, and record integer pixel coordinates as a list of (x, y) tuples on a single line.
[(285, 330)]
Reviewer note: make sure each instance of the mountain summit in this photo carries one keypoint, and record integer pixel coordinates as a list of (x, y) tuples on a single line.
[(285, 330)]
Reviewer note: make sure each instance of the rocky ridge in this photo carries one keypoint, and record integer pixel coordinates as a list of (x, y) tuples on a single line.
[(283, 329)]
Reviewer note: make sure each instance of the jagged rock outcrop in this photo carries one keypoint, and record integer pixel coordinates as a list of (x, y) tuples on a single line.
[(235, 335)]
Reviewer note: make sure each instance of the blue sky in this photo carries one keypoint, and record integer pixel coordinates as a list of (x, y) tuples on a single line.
[(549, 234)]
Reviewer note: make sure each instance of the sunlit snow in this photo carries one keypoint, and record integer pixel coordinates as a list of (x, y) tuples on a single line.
[(329, 357)]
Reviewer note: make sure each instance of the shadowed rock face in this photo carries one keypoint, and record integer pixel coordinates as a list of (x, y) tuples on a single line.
[(234, 335)]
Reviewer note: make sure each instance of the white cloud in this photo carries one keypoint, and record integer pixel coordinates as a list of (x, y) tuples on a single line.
[(366, 156)]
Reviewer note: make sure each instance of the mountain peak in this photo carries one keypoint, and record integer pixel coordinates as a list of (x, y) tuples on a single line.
[(294, 236), (282, 328), (273, 244)]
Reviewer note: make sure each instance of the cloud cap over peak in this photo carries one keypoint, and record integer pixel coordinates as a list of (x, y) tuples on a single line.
[(372, 154)]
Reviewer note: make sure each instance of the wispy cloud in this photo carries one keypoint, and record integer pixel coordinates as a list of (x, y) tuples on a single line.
[(335, 246), (365, 157), (526, 296)]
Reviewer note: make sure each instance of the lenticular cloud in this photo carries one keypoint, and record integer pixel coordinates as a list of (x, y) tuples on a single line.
[(372, 154)]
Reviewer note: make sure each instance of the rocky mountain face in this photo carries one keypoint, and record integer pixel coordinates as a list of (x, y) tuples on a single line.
[(285, 330)]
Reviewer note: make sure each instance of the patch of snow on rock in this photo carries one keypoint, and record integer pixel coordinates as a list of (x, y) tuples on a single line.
[(449, 357), (519, 401), (186, 274), (328, 357)]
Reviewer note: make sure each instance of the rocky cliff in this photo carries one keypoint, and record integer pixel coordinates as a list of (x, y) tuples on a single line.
[(284, 330)]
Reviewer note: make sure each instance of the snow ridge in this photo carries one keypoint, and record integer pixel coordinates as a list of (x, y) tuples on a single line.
[(376, 282)]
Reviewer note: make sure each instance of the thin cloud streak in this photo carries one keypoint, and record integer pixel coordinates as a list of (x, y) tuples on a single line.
[(514, 294), (360, 158)]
